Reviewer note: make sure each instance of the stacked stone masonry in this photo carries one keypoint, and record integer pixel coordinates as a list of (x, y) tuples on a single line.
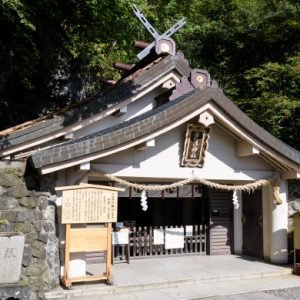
[(33, 214), (293, 208)]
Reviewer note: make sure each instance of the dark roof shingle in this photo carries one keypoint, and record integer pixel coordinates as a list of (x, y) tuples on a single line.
[(158, 118)]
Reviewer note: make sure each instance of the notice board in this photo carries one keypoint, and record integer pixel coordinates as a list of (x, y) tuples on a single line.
[(86, 203), (89, 204)]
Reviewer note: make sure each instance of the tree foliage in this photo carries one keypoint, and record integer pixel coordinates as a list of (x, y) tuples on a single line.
[(273, 98), (55, 52)]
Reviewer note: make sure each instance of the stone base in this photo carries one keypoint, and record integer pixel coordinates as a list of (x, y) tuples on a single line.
[(15, 290)]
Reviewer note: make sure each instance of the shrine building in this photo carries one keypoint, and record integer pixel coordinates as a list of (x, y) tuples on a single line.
[(199, 176)]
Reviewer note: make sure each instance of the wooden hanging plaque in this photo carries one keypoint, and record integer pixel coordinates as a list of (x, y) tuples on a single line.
[(195, 145)]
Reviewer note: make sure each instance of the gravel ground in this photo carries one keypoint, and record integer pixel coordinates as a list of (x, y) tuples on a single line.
[(290, 294)]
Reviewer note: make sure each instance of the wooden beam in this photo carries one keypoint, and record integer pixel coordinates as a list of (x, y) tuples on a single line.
[(146, 145), (141, 44), (245, 149), (293, 174)]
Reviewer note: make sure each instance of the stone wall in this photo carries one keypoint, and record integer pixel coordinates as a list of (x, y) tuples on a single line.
[(31, 213), (293, 208), (294, 197)]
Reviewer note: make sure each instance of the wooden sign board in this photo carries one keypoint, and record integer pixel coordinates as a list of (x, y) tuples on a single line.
[(89, 204), (88, 239)]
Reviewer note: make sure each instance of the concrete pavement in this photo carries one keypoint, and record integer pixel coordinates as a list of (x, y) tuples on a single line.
[(193, 277), (234, 290)]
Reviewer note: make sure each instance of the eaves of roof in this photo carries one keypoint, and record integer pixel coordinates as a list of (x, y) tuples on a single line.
[(161, 117), (126, 88)]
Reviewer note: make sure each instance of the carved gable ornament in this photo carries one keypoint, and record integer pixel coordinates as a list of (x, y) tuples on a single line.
[(195, 145)]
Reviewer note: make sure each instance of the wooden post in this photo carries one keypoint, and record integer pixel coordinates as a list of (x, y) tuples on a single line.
[(67, 256), (108, 253)]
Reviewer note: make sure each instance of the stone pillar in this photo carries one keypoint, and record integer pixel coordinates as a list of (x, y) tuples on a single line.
[(279, 227), (238, 226)]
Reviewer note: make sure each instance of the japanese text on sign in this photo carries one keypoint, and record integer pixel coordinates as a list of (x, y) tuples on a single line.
[(89, 205)]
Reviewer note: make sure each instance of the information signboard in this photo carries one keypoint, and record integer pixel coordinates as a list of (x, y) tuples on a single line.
[(86, 203), (89, 205)]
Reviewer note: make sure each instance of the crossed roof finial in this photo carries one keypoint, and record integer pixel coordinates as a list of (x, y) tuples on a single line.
[(162, 42)]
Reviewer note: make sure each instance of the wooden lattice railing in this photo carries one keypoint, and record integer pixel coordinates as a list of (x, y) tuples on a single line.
[(141, 243)]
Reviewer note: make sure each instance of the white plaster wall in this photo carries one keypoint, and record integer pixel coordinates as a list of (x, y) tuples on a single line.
[(163, 160), (279, 227)]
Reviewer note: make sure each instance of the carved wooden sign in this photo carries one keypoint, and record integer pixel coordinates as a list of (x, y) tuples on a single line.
[(195, 145), (89, 204)]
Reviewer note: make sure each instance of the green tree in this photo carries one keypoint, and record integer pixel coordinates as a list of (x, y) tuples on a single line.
[(274, 98), (252, 49), (53, 52)]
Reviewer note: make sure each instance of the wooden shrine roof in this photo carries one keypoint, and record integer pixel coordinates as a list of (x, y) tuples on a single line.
[(116, 96), (162, 119)]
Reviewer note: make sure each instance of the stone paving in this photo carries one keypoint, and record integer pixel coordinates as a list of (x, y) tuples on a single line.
[(195, 277)]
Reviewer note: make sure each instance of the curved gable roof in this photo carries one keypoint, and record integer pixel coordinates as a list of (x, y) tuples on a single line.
[(115, 96), (159, 120)]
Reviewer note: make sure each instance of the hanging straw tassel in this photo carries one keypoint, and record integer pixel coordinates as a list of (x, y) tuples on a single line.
[(235, 200), (144, 201)]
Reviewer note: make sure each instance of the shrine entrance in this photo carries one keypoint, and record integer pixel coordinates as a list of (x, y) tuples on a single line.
[(175, 222), (253, 224)]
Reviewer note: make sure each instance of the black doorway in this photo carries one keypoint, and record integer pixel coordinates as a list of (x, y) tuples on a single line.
[(168, 214), (162, 211), (252, 224)]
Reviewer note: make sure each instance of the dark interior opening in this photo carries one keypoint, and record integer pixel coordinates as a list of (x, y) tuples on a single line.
[(162, 211)]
